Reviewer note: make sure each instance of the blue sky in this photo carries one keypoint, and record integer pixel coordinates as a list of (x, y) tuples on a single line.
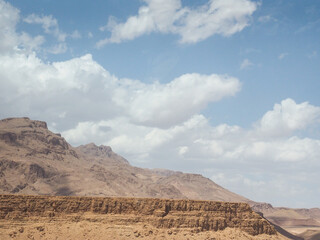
[(228, 89)]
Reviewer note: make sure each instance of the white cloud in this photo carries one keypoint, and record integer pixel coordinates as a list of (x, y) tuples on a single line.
[(183, 150), (31, 86), (287, 117), (31, 43), (137, 141), (245, 64), (58, 49), (283, 55), (197, 139), (86, 82), (271, 186), (224, 17), (9, 17), (164, 105), (49, 24)]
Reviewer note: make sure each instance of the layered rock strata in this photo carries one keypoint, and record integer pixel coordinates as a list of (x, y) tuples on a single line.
[(160, 213)]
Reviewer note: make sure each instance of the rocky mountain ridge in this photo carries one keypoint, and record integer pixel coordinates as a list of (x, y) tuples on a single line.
[(33, 160)]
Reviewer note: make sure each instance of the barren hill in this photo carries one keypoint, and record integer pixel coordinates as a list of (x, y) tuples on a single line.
[(33, 160), (302, 222)]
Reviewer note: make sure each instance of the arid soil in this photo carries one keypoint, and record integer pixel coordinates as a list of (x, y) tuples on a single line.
[(43, 217)]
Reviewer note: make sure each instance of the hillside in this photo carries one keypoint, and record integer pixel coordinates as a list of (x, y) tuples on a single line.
[(33, 160), (302, 222)]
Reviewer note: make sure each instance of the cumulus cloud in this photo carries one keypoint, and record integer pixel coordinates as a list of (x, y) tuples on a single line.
[(287, 117), (224, 17), (195, 138), (30, 85), (166, 104)]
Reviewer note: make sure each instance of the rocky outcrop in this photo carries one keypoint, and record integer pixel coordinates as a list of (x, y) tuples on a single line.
[(101, 152), (34, 138), (161, 213)]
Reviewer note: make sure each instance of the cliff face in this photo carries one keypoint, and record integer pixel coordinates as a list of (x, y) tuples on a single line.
[(160, 213)]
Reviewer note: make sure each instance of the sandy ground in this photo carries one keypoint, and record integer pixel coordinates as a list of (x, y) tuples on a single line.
[(298, 230)]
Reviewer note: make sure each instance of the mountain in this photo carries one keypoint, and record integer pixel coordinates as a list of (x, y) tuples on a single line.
[(34, 160), (301, 222)]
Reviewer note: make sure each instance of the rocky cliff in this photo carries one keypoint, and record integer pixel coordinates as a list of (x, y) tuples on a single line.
[(160, 213)]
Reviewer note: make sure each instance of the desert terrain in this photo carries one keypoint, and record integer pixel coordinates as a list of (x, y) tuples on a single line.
[(36, 161), (43, 217), (300, 222), (33, 160)]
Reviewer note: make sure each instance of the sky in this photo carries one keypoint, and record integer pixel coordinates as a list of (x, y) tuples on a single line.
[(225, 88)]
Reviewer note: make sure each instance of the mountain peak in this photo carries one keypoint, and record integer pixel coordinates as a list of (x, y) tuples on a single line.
[(23, 122), (101, 151), (31, 138)]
